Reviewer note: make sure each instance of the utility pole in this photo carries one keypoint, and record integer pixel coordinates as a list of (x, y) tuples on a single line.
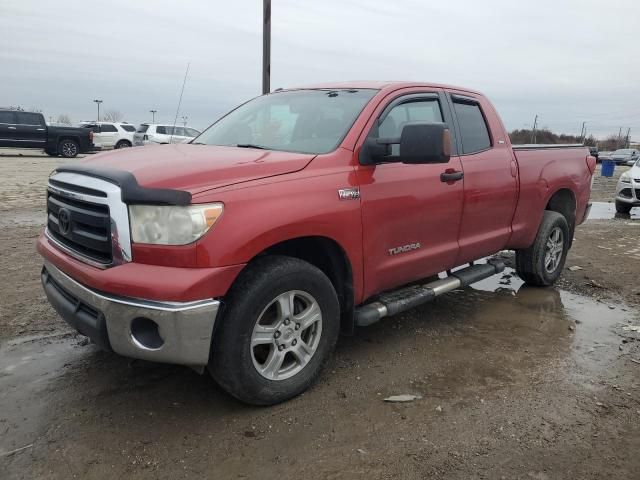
[(266, 46), (153, 115), (619, 137), (184, 120), (98, 102), (533, 132), (582, 132), (626, 142)]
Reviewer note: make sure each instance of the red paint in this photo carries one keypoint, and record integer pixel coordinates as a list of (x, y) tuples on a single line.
[(272, 196)]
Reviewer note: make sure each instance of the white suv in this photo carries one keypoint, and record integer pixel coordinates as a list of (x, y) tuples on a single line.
[(111, 134), (156, 133)]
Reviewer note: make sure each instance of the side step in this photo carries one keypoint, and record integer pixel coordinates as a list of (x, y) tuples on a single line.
[(406, 298)]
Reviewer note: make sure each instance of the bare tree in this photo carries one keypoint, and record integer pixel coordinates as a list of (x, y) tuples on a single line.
[(35, 109), (64, 118), (112, 116)]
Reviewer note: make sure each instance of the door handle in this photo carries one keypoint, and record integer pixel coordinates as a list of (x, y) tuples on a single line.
[(451, 176), (40, 129), (11, 128)]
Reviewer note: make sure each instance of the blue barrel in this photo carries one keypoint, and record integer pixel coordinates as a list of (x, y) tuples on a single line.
[(608, 166)]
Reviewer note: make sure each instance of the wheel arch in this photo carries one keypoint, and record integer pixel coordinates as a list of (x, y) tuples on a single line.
[(329, 256), (563, 201)]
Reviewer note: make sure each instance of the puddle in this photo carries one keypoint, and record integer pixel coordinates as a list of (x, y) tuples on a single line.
[(606, 211), (507, 281)]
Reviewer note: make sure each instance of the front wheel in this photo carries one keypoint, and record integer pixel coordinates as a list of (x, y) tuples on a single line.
[(122, 144), (278, 331), (623, 207), (541, 264), (68, 148)]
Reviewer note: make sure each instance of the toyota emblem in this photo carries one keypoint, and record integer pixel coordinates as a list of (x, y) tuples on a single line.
[(64, 221)]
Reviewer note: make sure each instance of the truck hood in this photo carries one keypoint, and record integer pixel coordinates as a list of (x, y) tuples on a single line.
[(197, 168)]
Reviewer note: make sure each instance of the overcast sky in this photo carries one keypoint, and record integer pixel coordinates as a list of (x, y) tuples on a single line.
[(567, 61)]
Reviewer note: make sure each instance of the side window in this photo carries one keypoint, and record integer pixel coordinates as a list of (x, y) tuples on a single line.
[(192, 132), (27, 118), (6, 117), (161, 130), (415, 110), (128, 128), (107, 127), (473, 127)]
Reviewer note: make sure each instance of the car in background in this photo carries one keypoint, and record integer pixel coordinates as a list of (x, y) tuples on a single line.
[(107, 135), (625, 156), (20, 129), (157, 133), (628, 189), (593, 151)]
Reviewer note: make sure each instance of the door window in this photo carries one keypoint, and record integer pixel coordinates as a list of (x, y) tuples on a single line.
[(415, 110), (28, 118), (6, 117), (107, 128), (128, 128), (473, 127)]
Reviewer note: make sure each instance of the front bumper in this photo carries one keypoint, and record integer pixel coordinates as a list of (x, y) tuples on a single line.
[(628, 192), (169, 332)]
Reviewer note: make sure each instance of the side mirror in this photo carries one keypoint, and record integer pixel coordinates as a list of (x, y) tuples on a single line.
[(425, 143)]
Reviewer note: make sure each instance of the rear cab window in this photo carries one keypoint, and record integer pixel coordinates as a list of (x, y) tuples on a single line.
[(474, 133)]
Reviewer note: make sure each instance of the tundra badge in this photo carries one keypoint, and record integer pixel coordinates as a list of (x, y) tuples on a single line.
[(349, 193), (404, 248)]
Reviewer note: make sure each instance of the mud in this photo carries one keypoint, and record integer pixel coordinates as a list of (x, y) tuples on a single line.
[(516, 382)]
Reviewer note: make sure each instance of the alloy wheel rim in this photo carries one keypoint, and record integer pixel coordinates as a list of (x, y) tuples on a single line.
[(69, 148), (286, 335), (554, 248)]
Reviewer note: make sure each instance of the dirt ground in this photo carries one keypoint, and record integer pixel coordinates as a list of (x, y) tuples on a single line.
[(515, 382)]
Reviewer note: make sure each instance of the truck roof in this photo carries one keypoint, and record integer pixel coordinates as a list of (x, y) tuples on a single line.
[(380, 85)]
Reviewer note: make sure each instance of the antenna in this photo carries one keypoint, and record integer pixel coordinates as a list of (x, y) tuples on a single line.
[(179, 102)]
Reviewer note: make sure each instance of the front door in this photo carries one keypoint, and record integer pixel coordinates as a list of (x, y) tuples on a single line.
[(410, 216), (30, 130)]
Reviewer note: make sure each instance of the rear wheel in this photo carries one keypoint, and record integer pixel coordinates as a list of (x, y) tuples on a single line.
[(123, 144), (623, 207), (279, 329), (68, 148), (541, 264)]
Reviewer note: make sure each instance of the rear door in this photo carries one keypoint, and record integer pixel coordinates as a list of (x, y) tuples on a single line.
[(7, 129), (490, 178), (410, 217), (30, 132), (108, 135)]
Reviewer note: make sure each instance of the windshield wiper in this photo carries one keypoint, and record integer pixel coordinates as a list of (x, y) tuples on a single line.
[(251, 145)]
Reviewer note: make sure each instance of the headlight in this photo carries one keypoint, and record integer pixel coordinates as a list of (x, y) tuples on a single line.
[(625, 178), (171, 225)]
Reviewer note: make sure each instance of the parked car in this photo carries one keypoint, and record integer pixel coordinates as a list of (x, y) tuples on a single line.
[(300, 214), (628, 189), (107, 135), (625, 156), (594, 152), (604, 156), (148, 133), (20, 129)]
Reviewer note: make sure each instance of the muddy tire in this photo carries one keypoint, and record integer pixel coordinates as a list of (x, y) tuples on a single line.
[(278, 329), (623, 207), (541, 264), (68, 148)]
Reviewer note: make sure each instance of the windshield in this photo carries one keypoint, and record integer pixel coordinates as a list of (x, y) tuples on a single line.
[(305, 121)]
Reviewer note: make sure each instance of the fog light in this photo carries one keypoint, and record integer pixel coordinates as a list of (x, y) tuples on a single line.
[(145, 333)]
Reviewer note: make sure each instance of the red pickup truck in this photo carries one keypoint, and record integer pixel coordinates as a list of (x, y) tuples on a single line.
[(300, 214)]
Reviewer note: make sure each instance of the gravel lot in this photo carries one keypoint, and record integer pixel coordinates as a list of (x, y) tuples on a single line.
[(515, 382)]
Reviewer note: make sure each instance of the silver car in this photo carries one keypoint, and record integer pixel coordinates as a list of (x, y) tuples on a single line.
[(625, 156), (628, 189)]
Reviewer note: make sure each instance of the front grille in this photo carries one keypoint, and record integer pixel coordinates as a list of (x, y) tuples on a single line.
[(83, 227)]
